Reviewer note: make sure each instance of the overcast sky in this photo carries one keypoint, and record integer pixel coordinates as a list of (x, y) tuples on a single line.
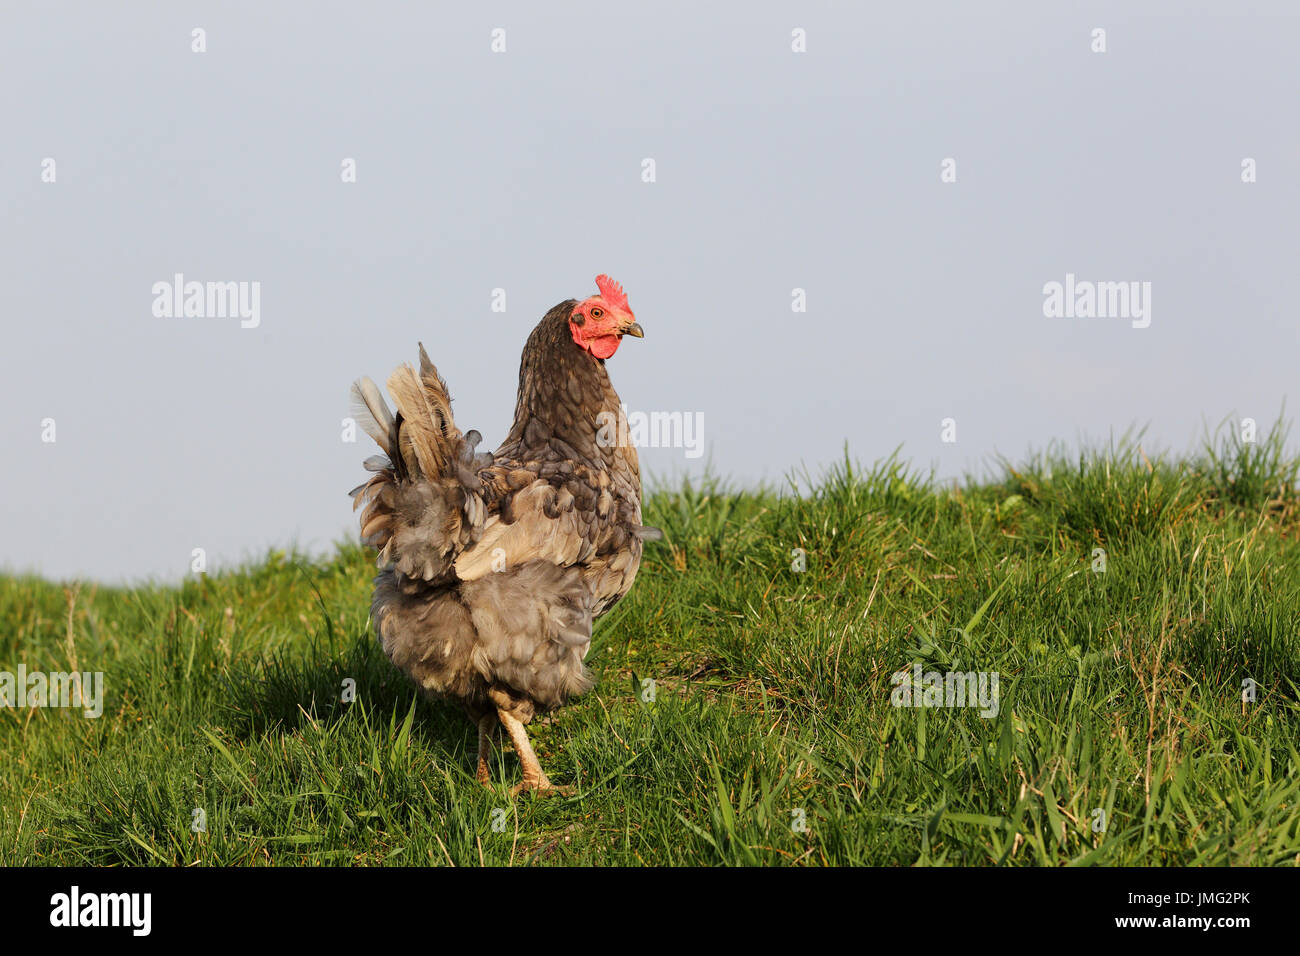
[(524, 170)]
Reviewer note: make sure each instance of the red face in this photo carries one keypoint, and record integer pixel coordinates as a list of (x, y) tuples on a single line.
[(599, 323)]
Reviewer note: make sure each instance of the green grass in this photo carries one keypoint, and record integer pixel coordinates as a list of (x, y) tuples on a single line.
[(1121, 691)]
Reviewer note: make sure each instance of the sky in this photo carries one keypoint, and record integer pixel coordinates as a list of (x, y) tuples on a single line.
[(385, 173)]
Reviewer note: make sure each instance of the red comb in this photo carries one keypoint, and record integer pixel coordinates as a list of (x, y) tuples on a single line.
[(611, 292)]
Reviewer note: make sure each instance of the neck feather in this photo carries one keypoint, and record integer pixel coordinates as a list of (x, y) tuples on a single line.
[(562, 388)]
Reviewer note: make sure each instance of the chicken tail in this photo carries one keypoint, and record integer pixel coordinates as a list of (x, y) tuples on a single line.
[(424, 504)]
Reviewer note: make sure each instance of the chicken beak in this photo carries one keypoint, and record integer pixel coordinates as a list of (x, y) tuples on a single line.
[(634, 330)]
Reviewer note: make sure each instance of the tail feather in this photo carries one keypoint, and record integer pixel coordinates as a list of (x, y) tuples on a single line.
[(371, 412), (438, 398), (421, 440), (424, 503)]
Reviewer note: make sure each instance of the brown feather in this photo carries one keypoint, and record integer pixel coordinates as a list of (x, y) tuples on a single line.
[(420, 434)]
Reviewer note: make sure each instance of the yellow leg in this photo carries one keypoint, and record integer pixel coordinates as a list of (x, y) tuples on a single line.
[(534, 777)]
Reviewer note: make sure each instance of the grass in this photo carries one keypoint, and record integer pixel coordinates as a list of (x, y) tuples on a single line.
[(743, 713)]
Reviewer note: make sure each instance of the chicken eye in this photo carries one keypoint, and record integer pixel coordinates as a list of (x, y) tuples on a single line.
[(596, 313)]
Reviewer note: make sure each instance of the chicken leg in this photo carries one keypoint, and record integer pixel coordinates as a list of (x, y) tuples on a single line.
[(534, 777), (484, 748)]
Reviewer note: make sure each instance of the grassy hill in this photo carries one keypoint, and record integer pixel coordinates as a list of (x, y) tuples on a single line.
[(1121, 735)]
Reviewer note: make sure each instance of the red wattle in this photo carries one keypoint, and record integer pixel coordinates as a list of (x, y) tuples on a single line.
[(604, 346)]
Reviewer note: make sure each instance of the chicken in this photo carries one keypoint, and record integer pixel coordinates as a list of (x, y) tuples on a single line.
[(494, 566)]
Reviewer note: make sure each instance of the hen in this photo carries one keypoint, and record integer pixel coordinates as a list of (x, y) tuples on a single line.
[(493, 566)]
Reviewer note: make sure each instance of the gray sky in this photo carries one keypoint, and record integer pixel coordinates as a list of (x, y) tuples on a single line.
[(522, 170)]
